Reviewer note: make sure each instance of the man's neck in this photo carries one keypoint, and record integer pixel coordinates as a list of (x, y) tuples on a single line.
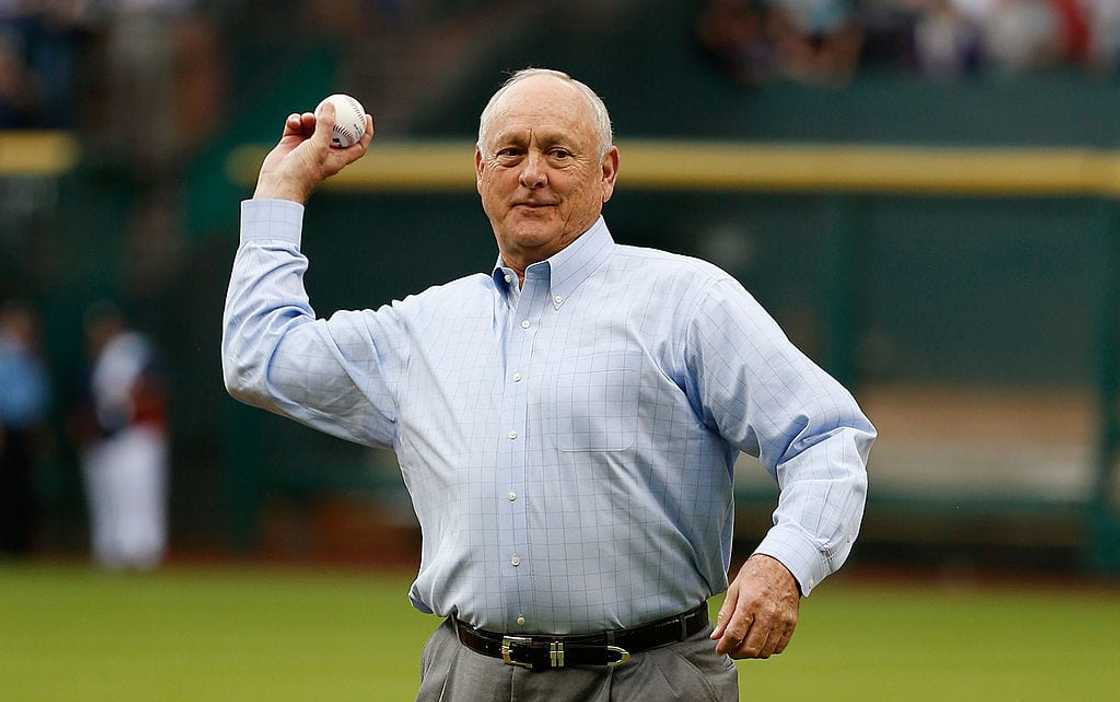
[(520, 260)]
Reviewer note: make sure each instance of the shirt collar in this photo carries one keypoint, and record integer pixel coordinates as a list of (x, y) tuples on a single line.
[(570, 266)]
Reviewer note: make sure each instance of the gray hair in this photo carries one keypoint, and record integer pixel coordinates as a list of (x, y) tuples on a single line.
[(598, 109)]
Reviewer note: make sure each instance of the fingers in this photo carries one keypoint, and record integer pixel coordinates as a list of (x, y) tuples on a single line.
[(737, 630), (324, 124), (755, 641), (786, 635), (732, 640), (337, 159), (771, 642), (367, 137), (768, 633), (725, 611), (291, 126), (759, 615), (357, 150), (298, 125)]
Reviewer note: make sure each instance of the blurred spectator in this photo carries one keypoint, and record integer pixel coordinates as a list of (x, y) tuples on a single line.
[(124, 445), (947, 40), (818, 41), (732, 31), (1022, 35), (1103, 19), (40, 48), (815, 41), (161, 82), (23, 404)]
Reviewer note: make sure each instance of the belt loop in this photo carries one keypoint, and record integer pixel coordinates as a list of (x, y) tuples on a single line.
[(684, 626), (610, 637)]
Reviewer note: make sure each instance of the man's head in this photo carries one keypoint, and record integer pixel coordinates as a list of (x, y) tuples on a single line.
[(18, 324), (103, 322), (544, 163)]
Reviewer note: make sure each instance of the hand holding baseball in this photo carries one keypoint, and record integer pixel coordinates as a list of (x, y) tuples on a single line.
[(759, 614), (304, 157)]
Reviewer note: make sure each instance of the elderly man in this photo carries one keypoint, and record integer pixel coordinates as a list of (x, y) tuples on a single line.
[(567, 425)]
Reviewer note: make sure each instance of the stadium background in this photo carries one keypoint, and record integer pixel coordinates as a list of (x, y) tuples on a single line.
[(937, 228)]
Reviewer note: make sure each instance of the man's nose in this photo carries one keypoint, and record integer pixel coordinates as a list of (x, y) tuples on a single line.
[(533, 174)]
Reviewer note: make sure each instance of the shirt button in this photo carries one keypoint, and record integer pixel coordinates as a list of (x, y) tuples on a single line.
[(558, 299), (509, 278), (517, 377), (525, 324), (516, 560), (512, 435), (512, 496), (521, 621)]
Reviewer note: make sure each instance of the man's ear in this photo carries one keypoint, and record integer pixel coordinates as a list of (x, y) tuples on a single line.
[(610, 172), (479, 164)]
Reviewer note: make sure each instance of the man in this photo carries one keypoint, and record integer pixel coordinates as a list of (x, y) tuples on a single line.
[(124, 445), (567, 426), (24, 398)]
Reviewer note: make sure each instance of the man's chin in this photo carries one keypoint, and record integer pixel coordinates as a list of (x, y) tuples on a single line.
[(531, 235)]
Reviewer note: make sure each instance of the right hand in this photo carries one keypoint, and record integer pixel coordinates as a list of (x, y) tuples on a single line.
[(304, 157)]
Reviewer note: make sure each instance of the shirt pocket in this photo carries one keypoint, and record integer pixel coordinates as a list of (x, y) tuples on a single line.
[(595, 403)]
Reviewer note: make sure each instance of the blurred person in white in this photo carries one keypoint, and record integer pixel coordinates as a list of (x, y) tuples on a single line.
[(124, 445), (947, 39), (24, 394), (1011, 36), (1104, 33), (1018, 35)]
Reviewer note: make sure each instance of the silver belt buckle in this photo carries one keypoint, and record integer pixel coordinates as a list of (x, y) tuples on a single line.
[(507, 649), (623, 656)]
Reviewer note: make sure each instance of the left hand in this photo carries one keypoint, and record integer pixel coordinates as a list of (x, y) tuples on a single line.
[(759, 614)]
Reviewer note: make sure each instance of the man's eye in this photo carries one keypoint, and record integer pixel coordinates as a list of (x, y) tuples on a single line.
[(508, 151), (560, 153)]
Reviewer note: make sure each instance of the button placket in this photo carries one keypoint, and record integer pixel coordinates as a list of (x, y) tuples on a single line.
[(513, 450)]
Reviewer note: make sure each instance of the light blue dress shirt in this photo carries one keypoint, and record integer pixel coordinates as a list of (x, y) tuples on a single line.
[(568, 445)]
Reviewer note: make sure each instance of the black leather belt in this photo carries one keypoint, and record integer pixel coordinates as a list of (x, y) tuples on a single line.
[(611, 648)]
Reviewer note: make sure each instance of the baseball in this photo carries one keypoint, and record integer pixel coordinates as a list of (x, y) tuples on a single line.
[(349, 121)]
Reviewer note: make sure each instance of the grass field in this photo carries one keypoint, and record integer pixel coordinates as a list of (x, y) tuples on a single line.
[(205, 635)]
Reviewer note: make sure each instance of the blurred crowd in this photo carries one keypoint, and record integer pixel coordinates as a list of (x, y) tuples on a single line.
[(828, 41), (144, 77)]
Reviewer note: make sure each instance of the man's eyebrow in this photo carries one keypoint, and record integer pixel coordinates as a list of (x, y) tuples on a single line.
[(517, 136), (555, 137)]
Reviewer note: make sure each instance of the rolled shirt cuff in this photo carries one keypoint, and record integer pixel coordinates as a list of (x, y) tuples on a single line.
[(796, 550), (264, 219)]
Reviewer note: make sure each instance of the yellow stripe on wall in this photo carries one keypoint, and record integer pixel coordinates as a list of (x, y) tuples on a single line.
[(37, 153), (737, 166), (422, 166)]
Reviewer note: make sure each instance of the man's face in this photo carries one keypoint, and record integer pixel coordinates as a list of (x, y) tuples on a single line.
[(541, 179)]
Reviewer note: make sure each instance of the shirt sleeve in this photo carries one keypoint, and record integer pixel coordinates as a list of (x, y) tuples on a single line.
[(768, 399), (338, 375)]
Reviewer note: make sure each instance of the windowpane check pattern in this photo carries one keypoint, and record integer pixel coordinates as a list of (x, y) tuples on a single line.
[(568, 442)]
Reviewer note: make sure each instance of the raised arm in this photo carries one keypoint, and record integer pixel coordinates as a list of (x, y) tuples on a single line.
[(338, 375), (765, 397)]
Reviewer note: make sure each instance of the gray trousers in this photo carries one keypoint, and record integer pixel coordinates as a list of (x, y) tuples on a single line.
[(687, 671)]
